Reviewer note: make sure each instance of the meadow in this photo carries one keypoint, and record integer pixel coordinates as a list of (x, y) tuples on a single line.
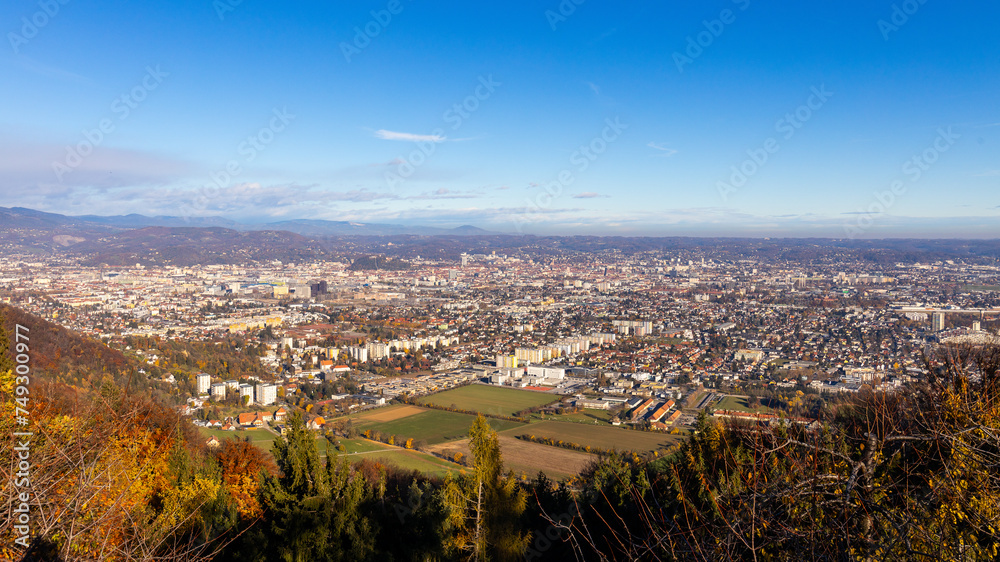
[(495, 400), (604, 437), (429, 426)]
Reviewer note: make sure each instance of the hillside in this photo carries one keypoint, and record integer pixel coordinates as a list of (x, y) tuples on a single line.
[(60, 355)]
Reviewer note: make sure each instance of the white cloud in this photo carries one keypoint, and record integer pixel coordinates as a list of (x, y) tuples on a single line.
[(664, 150), (412, 137)]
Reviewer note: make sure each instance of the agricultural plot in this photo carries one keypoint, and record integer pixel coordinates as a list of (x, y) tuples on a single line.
[(431, 426), (597, 436), (409, 460), (493, 400), (360, 446), (525, 457)]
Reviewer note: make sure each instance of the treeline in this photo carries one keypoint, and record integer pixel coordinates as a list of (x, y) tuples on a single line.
[(378, 263), (566, 444)]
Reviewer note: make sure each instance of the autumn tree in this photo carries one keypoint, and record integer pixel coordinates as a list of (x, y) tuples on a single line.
[(485, 506)]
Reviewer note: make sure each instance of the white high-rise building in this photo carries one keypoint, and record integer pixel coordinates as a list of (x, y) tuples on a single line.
[(219, 390), (246, 390), (267, 394), (937, 321), (204, 381)]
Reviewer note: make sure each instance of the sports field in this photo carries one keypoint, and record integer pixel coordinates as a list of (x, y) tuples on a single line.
[(597, 436), (430, 426), (494, 400), (737, 404)]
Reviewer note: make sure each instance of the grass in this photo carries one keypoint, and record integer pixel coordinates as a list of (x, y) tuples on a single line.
[(598, 436), (602, 417), (355, 446), (432, 426), (737, 404), (493, 400), (408, 460)]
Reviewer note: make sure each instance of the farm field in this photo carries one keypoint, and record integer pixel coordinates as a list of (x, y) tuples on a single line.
[(597, 436), (489, 399), (408, 460), (356, 446), (431, 426), (528, 458)]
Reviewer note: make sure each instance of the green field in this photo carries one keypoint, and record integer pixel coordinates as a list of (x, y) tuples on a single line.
[(407, 460), (355, 446), (604, 437), (737, 404), (431, 426), (493, 400), (602, 417)]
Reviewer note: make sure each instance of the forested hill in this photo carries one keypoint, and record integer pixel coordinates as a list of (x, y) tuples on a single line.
[(61, 355)]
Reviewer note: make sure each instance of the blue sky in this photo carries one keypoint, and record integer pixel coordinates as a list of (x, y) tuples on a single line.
[(726, 117)]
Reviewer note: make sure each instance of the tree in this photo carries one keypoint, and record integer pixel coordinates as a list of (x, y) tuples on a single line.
[(485, 507)]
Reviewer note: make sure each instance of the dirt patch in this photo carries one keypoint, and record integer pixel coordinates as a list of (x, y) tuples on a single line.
[(527, 457), (394, 414)]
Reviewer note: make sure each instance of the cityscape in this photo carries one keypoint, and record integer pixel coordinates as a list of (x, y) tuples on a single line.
[(392, 281)]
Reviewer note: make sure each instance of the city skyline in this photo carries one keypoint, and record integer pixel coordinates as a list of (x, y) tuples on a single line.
[(729, 119)]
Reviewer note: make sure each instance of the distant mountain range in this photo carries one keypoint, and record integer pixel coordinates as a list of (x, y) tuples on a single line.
[(19, 217), (131, 239)]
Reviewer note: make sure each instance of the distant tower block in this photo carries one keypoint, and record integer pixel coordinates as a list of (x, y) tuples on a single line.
[(976, 326), (937, 321), (465, 260)]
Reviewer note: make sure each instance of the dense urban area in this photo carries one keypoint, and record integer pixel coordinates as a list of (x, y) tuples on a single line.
[(601, 333), (575, 363)]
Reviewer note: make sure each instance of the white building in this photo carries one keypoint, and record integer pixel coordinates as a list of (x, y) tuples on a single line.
[(219, 390), (546, 372), (359, 354), (204, 381), (246, 390), (267, 394)]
